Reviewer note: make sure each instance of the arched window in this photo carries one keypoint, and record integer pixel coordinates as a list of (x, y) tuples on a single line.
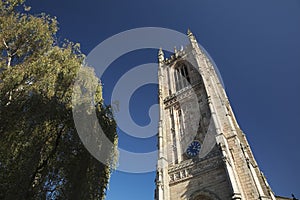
[(181, 76)]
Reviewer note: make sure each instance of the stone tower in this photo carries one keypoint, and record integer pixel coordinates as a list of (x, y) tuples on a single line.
[(203, 153)]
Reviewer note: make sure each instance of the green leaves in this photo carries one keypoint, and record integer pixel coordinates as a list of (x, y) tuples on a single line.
[(41, 154), (8, 6), (25, 36)]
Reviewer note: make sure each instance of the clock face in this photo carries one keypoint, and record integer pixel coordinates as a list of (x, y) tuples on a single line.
[(193, 149)]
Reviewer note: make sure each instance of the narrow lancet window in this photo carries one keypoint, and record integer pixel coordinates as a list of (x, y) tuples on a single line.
[(181, 77)]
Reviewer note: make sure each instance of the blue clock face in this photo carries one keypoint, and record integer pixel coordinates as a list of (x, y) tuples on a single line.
[(193, 149)]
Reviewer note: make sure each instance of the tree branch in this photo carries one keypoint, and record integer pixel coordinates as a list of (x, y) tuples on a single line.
[(9, 56), (44, 163)]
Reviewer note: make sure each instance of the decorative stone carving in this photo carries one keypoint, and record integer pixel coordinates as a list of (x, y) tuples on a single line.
[(224, 169)]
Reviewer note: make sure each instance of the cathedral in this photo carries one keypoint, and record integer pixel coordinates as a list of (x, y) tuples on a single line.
[(202, 152)]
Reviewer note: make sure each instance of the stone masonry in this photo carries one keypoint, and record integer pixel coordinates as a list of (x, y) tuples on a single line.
[(194, 107)]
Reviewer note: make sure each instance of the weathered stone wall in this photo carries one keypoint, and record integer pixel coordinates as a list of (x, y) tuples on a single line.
[(229, 170)]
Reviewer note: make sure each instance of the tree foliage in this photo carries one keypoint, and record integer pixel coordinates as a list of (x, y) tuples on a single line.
[(41, 154)]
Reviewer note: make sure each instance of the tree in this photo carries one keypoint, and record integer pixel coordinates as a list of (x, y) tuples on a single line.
[(41, 154)]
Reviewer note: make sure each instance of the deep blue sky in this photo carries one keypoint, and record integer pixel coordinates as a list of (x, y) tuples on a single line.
[(256, 46)]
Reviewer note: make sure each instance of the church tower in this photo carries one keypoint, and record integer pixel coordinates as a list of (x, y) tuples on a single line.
[(203, 153)]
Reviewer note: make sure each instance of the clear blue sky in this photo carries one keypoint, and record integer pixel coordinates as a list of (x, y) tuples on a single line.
[(256, 46)]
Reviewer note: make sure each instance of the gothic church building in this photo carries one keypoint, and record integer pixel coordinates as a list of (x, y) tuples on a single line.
[(203, 153)]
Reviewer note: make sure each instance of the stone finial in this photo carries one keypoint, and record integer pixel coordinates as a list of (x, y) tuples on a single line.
[(191, 36), (160, 55), (189, 32), (192, 39)]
